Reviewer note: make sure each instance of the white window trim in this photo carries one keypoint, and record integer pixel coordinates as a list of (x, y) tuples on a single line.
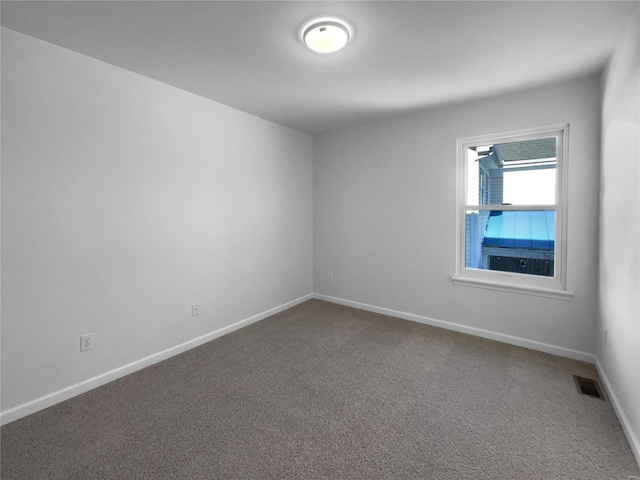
[(554, 287)]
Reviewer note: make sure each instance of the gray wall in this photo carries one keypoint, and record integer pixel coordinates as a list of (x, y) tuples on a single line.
[(384, 215), (124, 201), (620, 230)]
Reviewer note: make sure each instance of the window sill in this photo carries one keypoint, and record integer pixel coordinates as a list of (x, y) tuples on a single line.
[(510, 287)]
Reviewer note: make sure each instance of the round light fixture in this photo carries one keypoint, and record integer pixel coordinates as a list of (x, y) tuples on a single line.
[(326, 34)]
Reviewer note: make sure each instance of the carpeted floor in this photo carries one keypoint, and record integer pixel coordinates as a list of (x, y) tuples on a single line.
[(325, 391)]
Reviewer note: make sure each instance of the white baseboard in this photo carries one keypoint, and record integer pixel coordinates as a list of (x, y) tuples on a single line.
[(634, 442), (69, 392), (478, 332)]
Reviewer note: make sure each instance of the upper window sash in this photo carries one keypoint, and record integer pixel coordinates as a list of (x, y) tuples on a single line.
[(559, 132)]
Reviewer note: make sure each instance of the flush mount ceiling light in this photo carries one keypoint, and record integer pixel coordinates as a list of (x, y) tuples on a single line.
[(326, 34)]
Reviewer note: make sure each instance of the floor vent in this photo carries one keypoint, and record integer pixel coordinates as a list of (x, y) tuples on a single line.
[(589, 387)]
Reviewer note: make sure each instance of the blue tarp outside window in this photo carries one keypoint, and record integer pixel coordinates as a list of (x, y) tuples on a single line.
[(528, 229)]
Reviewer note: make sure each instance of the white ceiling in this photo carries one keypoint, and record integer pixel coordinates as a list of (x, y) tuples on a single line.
[(404, 57)]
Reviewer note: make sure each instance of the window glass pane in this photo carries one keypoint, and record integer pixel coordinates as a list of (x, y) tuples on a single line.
[(517, 241), (513, 173)]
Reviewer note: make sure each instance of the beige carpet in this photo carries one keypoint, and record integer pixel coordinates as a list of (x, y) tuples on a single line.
[(325, 391)]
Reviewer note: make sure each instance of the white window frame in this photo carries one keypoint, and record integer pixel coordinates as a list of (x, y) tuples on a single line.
[(556, 286)]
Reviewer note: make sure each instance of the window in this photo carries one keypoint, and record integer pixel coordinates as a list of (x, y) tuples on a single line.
[(511, 212)]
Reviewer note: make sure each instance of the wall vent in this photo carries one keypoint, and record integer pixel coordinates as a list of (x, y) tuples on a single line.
[(590, 387)]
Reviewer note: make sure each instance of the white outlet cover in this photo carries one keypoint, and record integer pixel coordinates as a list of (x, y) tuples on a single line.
[(86, 342)]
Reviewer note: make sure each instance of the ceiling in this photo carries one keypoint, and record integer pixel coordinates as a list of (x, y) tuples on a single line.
[(404, 57)]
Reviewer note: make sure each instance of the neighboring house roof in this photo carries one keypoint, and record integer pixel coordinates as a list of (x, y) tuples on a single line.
[(521, 229), (526, 150)]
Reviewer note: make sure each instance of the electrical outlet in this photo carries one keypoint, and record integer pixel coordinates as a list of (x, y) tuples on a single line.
[(195, 309), (86, 342), (330, 277)]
